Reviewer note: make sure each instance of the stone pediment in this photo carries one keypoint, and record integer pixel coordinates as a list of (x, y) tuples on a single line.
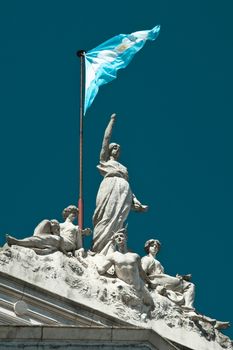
[(57, 290), (24, 303), (25, 307)]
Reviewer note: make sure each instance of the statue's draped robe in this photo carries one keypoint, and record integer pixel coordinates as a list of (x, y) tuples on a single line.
[(113, 203)]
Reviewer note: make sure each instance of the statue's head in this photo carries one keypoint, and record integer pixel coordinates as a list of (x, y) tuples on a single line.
[(114, 150), (71, 211), (152, 245), (55, 227), (120, 237)]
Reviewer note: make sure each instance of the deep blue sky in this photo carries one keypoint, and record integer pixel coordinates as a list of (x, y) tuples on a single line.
[(174, 105)]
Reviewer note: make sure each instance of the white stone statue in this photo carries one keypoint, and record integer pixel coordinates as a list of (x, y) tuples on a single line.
[(178, 289), (46, 238), (49, 236), (115, 198), (71, 234), (127, 267)]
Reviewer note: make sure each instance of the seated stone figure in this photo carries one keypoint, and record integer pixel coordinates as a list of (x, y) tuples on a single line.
[(49, 236), (127, 267), (45, 240), (71, 234), (178, 289)]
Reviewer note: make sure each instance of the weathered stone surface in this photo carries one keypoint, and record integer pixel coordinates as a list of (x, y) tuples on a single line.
[(78, 279)]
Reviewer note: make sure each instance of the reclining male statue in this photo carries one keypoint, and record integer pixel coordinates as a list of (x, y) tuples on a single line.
[(46, 238), (49, 236), (127, 267)]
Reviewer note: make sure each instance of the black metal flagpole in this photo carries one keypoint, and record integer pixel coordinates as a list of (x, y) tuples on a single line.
[(81, 55)]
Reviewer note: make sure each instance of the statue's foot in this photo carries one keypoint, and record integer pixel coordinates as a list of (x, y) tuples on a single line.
[(11, 240), (221, 325), (187, 277)]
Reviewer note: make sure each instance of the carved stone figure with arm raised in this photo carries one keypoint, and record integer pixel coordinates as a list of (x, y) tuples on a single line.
[(115, 198)]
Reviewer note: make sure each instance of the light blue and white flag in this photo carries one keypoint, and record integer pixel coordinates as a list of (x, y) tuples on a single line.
[(103, 62)]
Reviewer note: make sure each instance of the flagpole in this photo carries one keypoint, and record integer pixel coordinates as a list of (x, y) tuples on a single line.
[(81, 55)]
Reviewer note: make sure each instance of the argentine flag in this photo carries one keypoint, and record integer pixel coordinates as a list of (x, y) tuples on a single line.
[(103, 62)]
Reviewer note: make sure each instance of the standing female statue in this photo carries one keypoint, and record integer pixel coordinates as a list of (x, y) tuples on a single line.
[(115, 198)]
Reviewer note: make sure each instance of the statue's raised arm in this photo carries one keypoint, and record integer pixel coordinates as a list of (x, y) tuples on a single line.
[(104, 153)]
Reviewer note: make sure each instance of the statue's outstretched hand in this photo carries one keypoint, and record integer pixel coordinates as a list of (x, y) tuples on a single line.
[(86, 232), (142, 208), (137, 206)]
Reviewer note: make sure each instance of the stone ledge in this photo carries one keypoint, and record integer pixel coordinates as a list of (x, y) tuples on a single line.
[(85, 335)]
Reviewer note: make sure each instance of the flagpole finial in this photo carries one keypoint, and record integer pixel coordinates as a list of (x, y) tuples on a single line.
[(80, 53)]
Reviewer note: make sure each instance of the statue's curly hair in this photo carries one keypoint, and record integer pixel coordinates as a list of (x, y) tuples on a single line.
[(148, 244), (70, 209), (110, 148), (55, 222), (123, 230)]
